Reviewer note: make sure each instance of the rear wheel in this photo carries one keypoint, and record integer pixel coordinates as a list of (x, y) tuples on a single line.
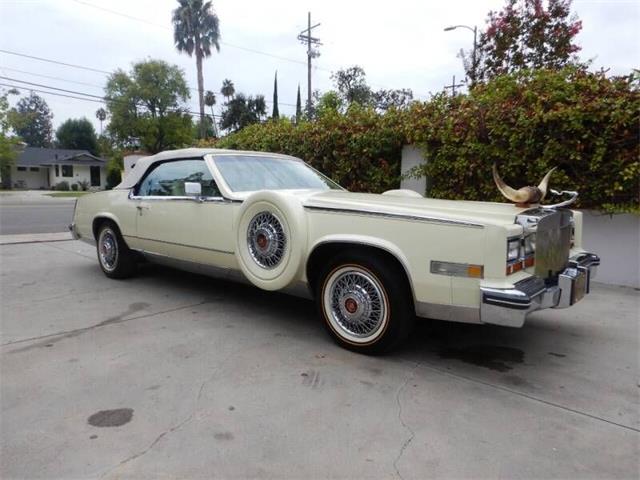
[(115, 258), (365, 303)]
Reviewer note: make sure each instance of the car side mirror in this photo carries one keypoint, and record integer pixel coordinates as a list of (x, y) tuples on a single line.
[(193, 189)]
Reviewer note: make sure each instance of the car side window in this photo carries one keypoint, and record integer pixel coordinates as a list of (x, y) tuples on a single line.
[(168, 179)]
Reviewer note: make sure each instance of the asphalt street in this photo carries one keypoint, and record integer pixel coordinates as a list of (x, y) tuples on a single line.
[(172, 375), (34, 213)]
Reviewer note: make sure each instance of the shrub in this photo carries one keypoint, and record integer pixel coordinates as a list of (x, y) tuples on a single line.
[(84, 185), (74, 187), (62, 186), (583, 123), (360, 149)]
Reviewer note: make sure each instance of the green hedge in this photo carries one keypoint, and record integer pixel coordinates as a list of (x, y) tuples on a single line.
[(583, 123), (360, 150)]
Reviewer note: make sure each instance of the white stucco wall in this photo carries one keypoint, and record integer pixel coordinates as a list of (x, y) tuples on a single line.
[(616, 238), (32, 180), (80, 173)]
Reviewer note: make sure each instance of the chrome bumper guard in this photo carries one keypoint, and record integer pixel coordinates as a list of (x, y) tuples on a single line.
[(510, 307)]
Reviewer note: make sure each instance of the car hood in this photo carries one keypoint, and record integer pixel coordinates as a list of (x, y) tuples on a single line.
[(483, 213)]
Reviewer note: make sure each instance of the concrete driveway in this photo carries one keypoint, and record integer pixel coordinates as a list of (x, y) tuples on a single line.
[(174, 375)]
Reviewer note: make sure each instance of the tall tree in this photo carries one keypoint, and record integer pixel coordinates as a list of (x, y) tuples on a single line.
[(101, 115), (31, 120), (352, 85), (298, 106), (196, 30), (242, 111), (528, 34), (210, 101), (77, 134), (276, 112), (9, 144), (148, 106), (228, 90)]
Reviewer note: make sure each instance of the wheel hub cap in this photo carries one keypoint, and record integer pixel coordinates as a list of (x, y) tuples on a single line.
[(357, 303), (108, 250), (266, 240)]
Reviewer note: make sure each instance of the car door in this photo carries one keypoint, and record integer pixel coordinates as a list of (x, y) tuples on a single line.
[(182, 227)]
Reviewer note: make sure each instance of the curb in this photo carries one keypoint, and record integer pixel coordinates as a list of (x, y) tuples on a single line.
[(35, 238)]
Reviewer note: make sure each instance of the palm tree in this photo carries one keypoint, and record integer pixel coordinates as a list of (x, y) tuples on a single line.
[(227, 90), (101, 114), (196, 29), (210, 101)]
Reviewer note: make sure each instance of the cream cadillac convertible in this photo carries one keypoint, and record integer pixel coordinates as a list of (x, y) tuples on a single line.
[(372, 262)]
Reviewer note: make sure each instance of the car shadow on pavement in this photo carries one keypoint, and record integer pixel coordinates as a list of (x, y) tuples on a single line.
[(483, 348)]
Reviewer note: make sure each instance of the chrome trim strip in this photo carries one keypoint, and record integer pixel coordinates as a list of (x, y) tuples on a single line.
[(395, 216), (182, 197), (296, 289), (178, 244)]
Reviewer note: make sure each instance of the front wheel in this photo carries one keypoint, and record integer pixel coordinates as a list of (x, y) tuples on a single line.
[(365, 303), (115, 258)]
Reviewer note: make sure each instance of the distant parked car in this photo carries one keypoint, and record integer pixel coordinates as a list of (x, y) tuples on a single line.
[(371, 262)]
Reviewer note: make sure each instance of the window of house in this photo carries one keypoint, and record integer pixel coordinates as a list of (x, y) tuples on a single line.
[(34, 169), (67, 170), (22, 169), (57, 171), (168, 179)]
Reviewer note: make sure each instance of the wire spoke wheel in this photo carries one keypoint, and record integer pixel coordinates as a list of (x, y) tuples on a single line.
[(266, 239), (356, 304), (108, 249)]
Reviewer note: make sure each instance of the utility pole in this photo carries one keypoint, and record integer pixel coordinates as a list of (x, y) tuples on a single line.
[(453, 86), (306, 39)]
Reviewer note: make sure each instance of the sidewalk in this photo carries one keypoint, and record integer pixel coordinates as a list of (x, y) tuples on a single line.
[(35, 238)]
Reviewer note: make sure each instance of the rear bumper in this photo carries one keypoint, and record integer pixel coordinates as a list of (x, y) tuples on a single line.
[(510, 307), (74, 231)]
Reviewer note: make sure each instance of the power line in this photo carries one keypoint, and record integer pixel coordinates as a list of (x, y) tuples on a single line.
[(33, 57), (84, 96), (81, 67), (239, 47)]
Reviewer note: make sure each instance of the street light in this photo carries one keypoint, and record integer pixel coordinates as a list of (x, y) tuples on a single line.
[(473, 54)]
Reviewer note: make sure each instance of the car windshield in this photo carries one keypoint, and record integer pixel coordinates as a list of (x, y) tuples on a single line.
[(248, 173)]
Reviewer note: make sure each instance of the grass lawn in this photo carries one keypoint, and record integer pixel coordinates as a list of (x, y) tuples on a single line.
[(67, 194)]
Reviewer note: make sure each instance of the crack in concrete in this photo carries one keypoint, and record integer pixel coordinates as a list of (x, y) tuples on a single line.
[(179, 425), (159, 437), (412, 433), (51, 338), (527, 396)]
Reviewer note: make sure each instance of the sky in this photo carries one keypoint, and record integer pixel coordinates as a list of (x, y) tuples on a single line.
[(400, 44)]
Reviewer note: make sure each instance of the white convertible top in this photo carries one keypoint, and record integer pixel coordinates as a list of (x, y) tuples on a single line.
[(142, 165)]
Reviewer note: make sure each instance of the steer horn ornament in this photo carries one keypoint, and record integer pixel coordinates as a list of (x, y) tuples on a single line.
[(525, 195)]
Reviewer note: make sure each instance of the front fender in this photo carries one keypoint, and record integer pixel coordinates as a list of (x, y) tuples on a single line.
[(369, 241)]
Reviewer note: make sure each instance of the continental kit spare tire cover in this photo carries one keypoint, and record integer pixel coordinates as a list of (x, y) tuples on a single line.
[(271, 239)]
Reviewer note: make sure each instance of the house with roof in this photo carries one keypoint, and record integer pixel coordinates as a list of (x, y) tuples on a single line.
[(43, 168)]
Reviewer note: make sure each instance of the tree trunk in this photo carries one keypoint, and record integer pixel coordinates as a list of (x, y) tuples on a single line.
[(203, 126)]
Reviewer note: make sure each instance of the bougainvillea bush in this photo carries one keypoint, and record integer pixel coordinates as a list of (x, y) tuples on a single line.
[(526, 123), (583, 123)]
